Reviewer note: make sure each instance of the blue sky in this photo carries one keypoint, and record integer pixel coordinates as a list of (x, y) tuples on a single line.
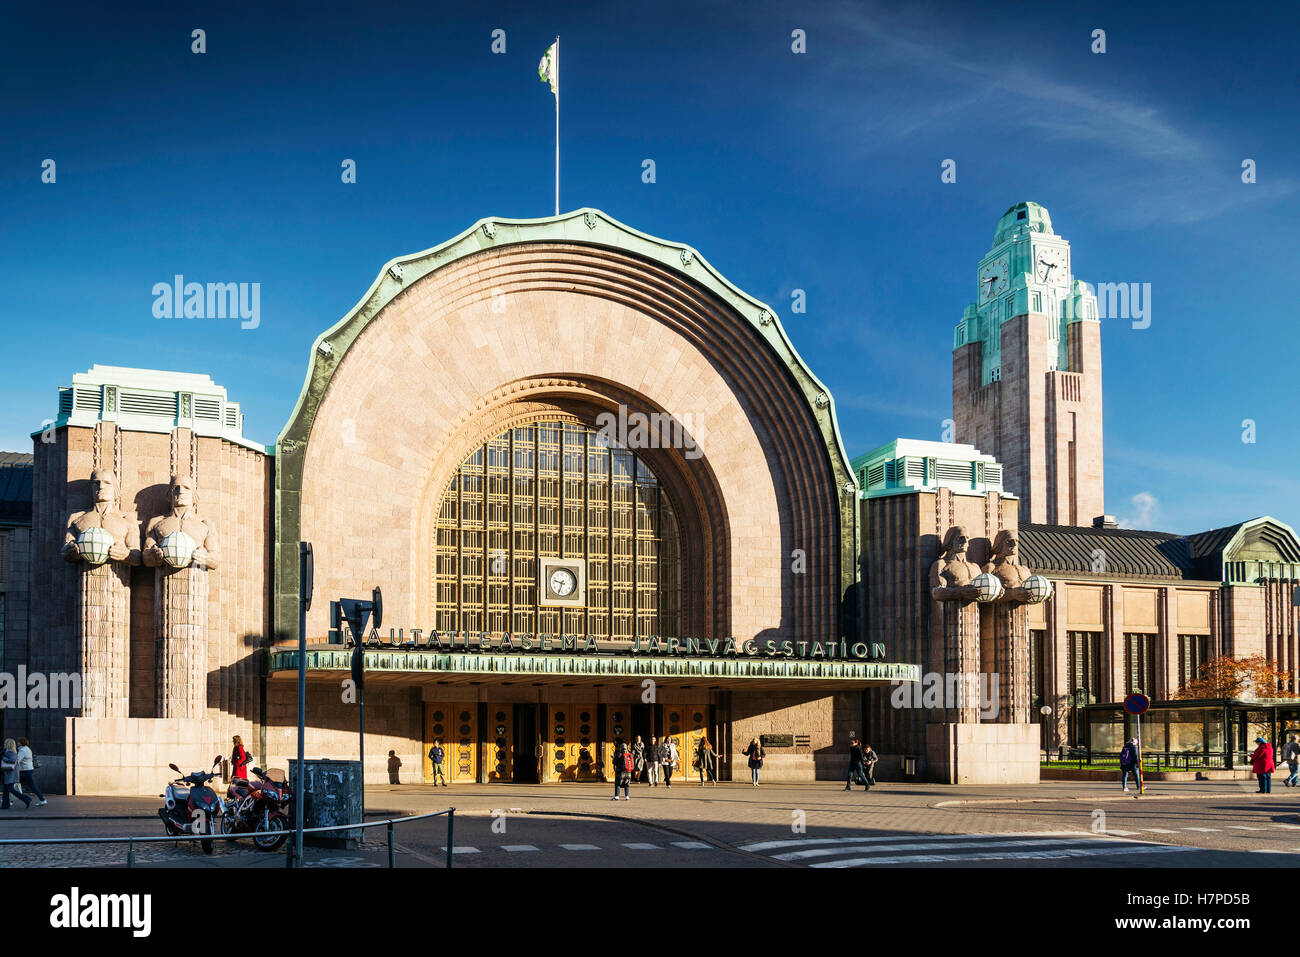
[(818, 171)]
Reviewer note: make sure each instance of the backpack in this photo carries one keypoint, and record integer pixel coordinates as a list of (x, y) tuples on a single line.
[(627, 762)]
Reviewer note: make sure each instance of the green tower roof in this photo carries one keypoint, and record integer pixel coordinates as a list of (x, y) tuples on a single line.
[(1022, 216)]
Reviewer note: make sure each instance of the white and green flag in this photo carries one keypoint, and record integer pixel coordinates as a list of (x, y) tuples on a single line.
[(549, 68)]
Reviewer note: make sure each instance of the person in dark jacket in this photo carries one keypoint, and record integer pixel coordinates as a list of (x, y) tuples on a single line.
[(1261, 762), (394, 766), (869, 759), (638, 759), (622, 770), (1128, 762), (706, 762), (756, 754), (856, 772), (436, 756)]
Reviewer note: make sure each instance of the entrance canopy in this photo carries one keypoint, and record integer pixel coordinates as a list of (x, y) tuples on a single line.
[(400, 667)]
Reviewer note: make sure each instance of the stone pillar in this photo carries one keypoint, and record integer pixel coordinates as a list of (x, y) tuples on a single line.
[(105, 639), (180, 613), (1008, 644), (961, 656)]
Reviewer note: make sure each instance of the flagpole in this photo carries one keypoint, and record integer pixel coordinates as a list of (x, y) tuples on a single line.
[(557, 126)]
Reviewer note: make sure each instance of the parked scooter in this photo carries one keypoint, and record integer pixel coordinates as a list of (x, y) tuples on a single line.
[(190, 806), (257, 808)]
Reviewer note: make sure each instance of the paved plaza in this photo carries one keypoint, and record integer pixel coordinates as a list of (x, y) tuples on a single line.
[(1052, 824)]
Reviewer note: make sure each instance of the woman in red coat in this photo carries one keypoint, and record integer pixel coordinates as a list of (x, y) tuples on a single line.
[(1261, 762), (239, 760)]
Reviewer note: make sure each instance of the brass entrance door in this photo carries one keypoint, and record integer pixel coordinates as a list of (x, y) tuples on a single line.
[(456, 726), (500, 741), (686, 724), (571, 742)]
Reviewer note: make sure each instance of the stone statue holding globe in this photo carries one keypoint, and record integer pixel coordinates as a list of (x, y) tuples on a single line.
[(104, 542), (103, 533), (183, 549), (1018, 583), (181, 538)]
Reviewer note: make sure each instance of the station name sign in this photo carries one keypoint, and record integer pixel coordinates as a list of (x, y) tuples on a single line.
[(419, 639)]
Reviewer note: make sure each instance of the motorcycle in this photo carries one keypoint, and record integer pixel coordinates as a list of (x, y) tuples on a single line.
[(190, 806), (257, 808)]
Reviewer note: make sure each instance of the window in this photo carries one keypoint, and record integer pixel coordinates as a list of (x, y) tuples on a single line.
[(1084, 666), (554, 489), (1193, 651), (1140, 664)]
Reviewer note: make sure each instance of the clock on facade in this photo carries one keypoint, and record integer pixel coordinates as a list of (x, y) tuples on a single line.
[(994, 277), (562, 581), (1050, 264)]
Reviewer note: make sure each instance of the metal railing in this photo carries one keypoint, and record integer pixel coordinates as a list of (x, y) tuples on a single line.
[(131, 842), (1083, 759)]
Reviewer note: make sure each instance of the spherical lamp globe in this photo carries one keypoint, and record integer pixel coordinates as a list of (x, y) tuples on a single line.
[(94, 544), (178, 549)]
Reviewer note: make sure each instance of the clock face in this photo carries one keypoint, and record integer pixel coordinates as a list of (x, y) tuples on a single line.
[(563, 582), (994, 278), (1050, 264)]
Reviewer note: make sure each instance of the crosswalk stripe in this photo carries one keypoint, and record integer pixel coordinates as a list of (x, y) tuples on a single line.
[(1111, 830), (692, 845), (1244, 827), (1014, 856), (1158, 830), (580, 847), (772, 845), (926, 845), (462, 849), (513, 848), (642, 847), (1204, 830)]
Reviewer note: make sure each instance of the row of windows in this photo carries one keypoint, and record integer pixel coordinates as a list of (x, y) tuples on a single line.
[(1141, 664), (552, 490)]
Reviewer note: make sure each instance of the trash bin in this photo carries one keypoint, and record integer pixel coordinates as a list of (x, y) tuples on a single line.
[(330, 795)]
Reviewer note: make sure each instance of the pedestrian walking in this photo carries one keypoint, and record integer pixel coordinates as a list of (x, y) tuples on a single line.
[(706, 762), (622, 770), (239, 759), (394, 765), (1261, 762), (27, 771), (1292, 756), (1128, 763), (652, 762), (869, 759), (638, 759), (755, 753), (9, 774), (668, 760), (436, 756), (856, 772)]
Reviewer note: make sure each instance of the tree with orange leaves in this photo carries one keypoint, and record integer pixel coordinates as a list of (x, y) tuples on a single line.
[(1229, 677)]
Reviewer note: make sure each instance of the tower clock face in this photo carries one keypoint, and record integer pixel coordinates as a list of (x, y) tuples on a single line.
[(994, 278), (562, 581), (1050, 264)]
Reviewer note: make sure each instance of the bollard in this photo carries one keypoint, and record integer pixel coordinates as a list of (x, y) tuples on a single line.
[(451, 819), (392, 854), (130, 853)]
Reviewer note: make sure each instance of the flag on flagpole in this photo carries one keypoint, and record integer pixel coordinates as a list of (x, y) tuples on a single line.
[(549, 68)]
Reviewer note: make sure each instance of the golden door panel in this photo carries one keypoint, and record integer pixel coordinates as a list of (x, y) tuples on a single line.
[(571, 743), (500, 742), (454, 725), (686, 724)]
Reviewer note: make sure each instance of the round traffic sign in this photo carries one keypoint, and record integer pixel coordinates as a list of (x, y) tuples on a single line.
[(1137, 703)]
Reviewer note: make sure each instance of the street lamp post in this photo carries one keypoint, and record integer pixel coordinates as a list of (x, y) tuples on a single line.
[(306, 567)]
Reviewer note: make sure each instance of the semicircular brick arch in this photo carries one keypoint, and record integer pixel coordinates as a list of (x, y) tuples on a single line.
[(496, 335)]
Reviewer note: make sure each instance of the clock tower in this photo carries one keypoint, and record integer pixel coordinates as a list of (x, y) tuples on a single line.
[(1026, 372)]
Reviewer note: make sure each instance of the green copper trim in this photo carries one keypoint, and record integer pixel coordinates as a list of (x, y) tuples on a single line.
[(405, 662), (583, 227)]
